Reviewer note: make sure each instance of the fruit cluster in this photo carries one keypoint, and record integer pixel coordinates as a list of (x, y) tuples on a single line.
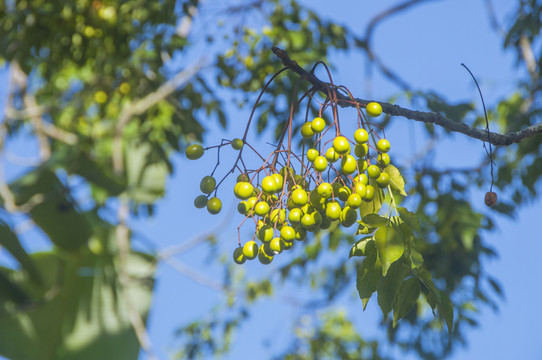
[(330, 185)]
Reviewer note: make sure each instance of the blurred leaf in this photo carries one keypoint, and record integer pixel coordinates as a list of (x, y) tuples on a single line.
[(9, 241), (146, 178)]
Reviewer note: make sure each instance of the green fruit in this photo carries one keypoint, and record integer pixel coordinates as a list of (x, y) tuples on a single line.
[(333, 210), (383, 145), (320, 164), (332, 155), (287, 245), (261, 208), (370, 194), (341, 145), (294, 217), (243, 190), (362, 165), (269, 185), (242, 208), (373, 171), (344, 193), (279, 180), (300, 233), (299, 197), (354, 200), (200, 202), (214, 205), (237, 144), (306, 130), (278, 216), (316, 201), (383, 159), (360, 189), (308, 221), (238, 256), (361, 150), (348, 216), (348, 164), (265, 233), (287, 233), (362, 178), (373, 109), (325, 190), (383, 180), (251, 202), (361, 136), (250, 250), (243, 177), (264, 258), (312, 154), (194, 152), (318, 125), (276, 245), (326, 223), (207, 184)]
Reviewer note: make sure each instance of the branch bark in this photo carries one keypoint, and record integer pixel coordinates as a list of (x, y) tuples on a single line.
[(395, 110)]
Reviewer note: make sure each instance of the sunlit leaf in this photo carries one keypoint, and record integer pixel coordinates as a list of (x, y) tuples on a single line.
[(390, 246)]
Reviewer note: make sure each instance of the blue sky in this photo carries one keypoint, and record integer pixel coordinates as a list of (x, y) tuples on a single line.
[(426, 46)]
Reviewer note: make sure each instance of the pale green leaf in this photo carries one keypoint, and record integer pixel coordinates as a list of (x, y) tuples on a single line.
[(396, 180), (390, 246)]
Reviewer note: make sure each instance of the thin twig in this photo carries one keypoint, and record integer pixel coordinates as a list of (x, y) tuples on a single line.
[(425, 117)]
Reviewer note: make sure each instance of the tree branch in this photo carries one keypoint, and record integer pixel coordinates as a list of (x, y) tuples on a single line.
[(395, 110)]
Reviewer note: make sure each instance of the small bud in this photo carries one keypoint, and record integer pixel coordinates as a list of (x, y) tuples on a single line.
[(490, 199)]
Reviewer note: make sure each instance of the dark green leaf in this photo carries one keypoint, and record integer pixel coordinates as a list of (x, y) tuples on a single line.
[(368, 274), (409, 218), (389, 287), (358, 249), (406, 299)]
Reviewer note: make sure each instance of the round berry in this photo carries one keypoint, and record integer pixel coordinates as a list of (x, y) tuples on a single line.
[(341, 145), (243, 190), (250, 250), (333, 210), (276, 245), (318, 125), (373, 171), (287, 233), (265, 259), (294, 216), (261, 208), (269, 185), (320, 164), (354, 201), (383, 159), (237, 144), (200, 202), (348, 216), (361, 150), (265, 233), (373, 109), (332, 155), (370, 194), (238, 256), (383, 180), (325, 190), (299, 197), (194, 152), (383, 145), (306, 130), (207, 184), (348, 164), (214, 205), (361, 136), (312, 154)]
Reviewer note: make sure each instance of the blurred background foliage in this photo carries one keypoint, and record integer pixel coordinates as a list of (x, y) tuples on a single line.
[(113, 89)]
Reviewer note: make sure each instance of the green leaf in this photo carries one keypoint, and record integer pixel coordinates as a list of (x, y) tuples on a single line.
[(446, 309), (409, 218), (375, 220), (368, 274), (56, 207), (146, 178), (416, 259), (358, 249), (10, 241), (396, 180), (372, 207), (406, 298), (390, 246), (389, 287), (86, 318)]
